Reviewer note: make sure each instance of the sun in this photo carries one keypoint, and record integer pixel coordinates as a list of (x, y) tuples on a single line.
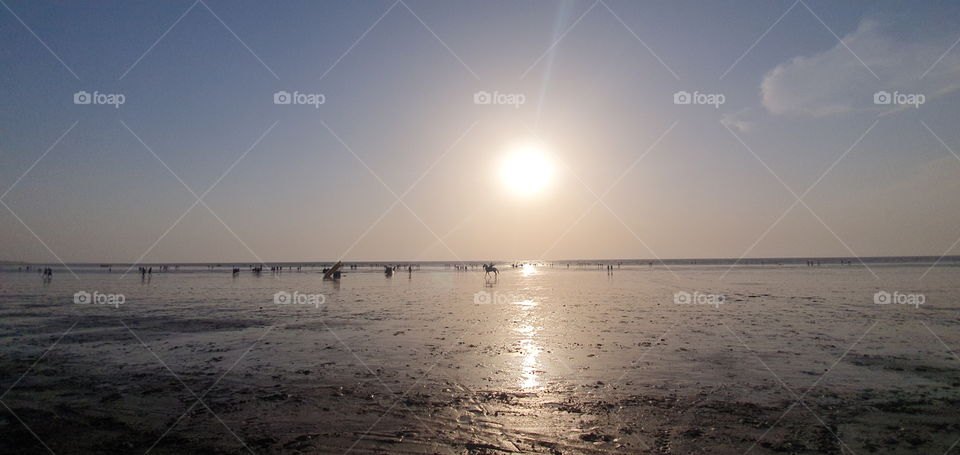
[(527, 169)]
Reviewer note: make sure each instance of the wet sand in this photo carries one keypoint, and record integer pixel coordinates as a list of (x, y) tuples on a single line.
[(559, 361)]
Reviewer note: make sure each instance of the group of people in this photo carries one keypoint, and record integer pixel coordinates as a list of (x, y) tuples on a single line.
[(46, 272), (389, 270)]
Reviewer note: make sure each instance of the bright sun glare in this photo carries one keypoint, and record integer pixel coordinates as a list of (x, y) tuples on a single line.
[(527, 169)]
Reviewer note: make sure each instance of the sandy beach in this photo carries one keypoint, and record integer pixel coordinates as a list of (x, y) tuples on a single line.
[(543, 360), (467, 227)]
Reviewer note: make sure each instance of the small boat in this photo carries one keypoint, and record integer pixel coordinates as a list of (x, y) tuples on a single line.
[(333, 273)]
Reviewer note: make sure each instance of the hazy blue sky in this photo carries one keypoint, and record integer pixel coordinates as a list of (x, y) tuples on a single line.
[(598, 80)]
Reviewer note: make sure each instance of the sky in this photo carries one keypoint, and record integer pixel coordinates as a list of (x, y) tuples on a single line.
[(400, 162)]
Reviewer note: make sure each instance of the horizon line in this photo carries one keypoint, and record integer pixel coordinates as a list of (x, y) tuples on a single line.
[(518, 261)]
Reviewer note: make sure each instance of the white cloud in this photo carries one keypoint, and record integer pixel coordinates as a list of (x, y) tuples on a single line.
[(743, 120), (835, 81)]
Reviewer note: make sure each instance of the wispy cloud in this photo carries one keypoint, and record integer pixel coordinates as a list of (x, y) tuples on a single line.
[(832, 82)]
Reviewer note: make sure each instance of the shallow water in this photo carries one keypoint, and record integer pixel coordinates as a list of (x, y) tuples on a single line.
[(541, 359)]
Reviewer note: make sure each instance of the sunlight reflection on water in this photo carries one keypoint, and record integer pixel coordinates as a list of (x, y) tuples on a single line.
[(528, 269), (529, 350)]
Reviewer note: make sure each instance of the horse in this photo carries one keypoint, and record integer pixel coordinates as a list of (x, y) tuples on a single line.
[(490, 268)]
